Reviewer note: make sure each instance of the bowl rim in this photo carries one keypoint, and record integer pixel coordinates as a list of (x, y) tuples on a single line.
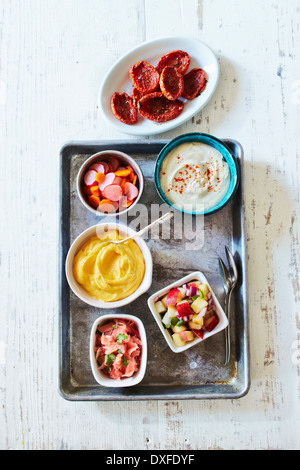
[(223, 321), (99, 376), (86, 298), (87, 163), (191, 137)]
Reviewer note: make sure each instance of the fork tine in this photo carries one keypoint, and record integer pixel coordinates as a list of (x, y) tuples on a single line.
[(224, 267)]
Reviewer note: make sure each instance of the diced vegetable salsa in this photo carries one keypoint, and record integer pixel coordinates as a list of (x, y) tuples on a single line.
[(188, 312)]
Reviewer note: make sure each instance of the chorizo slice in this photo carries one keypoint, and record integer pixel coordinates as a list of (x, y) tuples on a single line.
[(156, 107), (171, 83), (178, 59), (123, 108), (144, 76), (194, 83)]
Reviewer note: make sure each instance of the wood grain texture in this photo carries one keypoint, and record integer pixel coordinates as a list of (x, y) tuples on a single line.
[(53, 57)]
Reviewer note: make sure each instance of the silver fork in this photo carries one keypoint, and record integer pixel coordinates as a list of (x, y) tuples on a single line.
[(227, 287), (230, 277)]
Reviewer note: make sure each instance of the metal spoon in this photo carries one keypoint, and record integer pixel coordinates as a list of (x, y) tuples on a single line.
[(233, 272), (227, 287), (165, 217)]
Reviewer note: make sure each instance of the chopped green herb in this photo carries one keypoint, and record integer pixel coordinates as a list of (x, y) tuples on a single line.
[(195, 297), (120, 338), (174, 321), (109, 358), (115, 326), (124, 361), (180, 323), (201, 294), (119, 351), (108, 369)]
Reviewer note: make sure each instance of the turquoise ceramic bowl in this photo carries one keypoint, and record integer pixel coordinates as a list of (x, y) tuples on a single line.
[(205, 139)]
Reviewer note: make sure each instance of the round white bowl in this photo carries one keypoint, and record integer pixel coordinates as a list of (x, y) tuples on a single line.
[(103, 157), (85, 236), (100, 376)]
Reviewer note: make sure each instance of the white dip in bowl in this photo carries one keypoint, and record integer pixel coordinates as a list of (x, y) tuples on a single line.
[(194, 174)]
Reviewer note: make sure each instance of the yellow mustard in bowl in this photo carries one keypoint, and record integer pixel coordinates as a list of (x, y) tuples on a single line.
[(109, 272)]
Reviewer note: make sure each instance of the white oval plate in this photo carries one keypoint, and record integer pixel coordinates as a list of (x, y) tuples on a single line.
[(117, 80)]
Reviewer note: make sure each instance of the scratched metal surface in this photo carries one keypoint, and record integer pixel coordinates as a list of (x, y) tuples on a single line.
[(197, 373)]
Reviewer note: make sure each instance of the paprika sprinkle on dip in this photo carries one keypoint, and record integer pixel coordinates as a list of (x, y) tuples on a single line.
[(194, 174)]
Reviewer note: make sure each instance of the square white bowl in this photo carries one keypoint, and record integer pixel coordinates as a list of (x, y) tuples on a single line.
[(195, 276), (99, 375)]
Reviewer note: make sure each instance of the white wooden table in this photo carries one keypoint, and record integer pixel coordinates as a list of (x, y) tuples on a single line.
[(54, 54)]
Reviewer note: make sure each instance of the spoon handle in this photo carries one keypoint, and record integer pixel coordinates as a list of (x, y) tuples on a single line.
[(165, 217)]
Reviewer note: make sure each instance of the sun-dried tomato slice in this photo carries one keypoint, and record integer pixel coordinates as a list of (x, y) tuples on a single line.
[(123, 108), (178, 59), (144, 77), (171, 83), (194, 83), (156, 107), (136, 95)]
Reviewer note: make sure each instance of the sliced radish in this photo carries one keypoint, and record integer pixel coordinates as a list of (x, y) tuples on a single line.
[(114, 163), (89, 178), (113, 192), (116, 204), (107, 207), (124, 202), (106, 166), (109, 178), (131, 191), (98, 167), (118, 180)]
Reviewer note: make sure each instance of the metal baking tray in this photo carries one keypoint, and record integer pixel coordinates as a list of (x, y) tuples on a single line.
[(198, 373)]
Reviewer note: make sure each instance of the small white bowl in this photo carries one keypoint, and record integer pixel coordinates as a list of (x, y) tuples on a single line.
[(99, 375), (195, 276), (103, 156), (85, 236)]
